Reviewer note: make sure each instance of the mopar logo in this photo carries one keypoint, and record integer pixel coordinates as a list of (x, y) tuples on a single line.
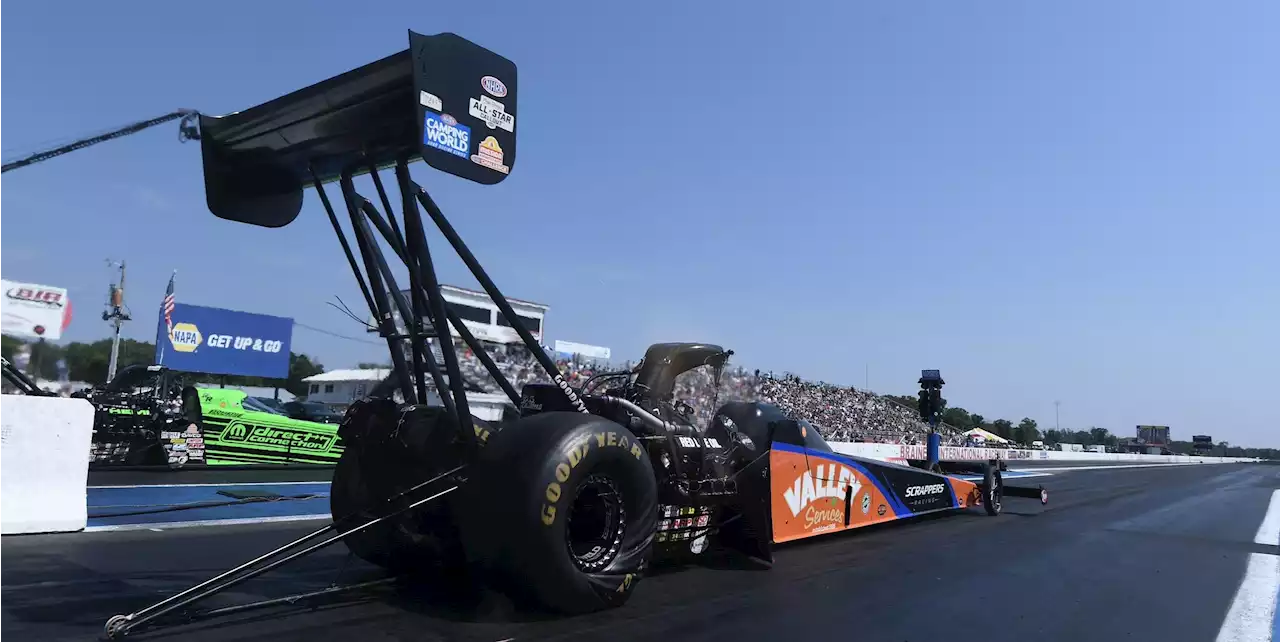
[(235, 432), (930, 489)]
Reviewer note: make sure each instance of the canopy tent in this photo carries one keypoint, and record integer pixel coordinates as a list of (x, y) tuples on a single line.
[(986, 436)]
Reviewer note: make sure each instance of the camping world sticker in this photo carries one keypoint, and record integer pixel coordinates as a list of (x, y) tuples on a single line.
[(444, 132)]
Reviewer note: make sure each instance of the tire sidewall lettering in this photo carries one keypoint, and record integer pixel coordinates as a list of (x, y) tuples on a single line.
[(567, 468)]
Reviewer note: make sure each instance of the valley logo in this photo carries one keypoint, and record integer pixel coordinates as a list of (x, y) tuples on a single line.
[(819, 495)]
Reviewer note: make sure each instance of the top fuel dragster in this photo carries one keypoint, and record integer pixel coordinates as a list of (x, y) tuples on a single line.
[(567, 503)]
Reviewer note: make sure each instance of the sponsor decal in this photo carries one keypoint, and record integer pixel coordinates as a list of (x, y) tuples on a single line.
[(1018, 454), (866, 503), (47, 298), (554, 492), (192, 429), (881, 510), (445, 133), (185, 337), (698, 545), (430, 101), (493, 113), (925, 490), (494, 86), (703, 520), (166, 434), (690, 442), (291, 439), (195, 453), (817, 496), (1044, 454), (489, 154), (243, 343), (176, 441), (571, 394), (194, 442)]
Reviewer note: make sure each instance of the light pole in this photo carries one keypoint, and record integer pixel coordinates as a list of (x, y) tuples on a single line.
[(1056, 425)]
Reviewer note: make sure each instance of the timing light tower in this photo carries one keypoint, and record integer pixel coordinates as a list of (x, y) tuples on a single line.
[(931, 409)]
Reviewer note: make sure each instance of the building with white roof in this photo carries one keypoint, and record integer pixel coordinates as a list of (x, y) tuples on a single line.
[(481, 316), (341, 387)]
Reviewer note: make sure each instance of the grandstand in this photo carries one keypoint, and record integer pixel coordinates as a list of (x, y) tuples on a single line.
[(841, 413)]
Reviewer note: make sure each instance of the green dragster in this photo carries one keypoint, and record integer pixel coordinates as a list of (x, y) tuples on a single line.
[(236, 432)]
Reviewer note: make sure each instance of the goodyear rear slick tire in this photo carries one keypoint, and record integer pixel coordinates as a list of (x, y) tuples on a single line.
[(561, 509)]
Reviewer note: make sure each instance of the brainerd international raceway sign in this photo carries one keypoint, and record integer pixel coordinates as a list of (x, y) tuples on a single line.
[(219, 341), (35, 311)]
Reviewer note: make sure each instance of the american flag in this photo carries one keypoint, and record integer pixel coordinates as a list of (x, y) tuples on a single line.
[(168, 304)]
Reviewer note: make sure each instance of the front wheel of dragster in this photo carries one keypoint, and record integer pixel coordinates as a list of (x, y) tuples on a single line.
[(992, 489), (354, 497), (561, 509)]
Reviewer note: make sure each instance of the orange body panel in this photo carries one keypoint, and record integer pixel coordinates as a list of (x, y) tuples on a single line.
[(809, 491)]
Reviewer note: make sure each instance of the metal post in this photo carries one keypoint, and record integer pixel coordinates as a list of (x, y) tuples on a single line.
[(378, 272), (435, 299)]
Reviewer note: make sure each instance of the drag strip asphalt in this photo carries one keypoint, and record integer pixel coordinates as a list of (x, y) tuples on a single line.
[(1134, 553)]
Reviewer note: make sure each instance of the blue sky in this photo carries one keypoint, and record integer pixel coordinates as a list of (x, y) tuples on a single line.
[(1047, 201)]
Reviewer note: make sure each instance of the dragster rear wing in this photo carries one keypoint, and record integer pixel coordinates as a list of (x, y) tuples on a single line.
[(429, 100)]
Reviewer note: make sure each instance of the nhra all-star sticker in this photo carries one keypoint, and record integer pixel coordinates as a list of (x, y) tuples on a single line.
[(866, 503)]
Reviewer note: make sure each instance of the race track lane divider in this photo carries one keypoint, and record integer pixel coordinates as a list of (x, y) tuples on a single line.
[(120, 625), (1252, 614)]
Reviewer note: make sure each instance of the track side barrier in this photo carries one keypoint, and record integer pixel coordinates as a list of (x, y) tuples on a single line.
[(44, 463), (899, 453)]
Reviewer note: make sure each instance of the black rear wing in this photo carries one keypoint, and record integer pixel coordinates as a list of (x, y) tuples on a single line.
[(432, 100)]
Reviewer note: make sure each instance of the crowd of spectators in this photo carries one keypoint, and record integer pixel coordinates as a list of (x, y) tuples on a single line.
[(841, 413)]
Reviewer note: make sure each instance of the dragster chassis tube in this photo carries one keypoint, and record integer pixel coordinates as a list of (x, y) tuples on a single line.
[(119, 625)]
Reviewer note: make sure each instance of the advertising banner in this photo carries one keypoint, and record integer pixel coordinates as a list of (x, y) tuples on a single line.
[(34, 311), (569, 348), (217, 341)]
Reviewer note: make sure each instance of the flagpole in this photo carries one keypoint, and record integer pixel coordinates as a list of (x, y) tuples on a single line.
[(161, 341)]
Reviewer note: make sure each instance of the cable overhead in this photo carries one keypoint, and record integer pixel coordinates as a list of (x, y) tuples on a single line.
[(187, 130)]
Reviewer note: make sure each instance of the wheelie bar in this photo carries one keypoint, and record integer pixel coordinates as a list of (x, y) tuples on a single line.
[(1025, 491), (120, 625)]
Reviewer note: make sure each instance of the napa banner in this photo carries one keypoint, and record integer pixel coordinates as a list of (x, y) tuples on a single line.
[(217, 341)]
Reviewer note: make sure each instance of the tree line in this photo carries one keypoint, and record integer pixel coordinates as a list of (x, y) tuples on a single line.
[(1027, 431), (88, 362)]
